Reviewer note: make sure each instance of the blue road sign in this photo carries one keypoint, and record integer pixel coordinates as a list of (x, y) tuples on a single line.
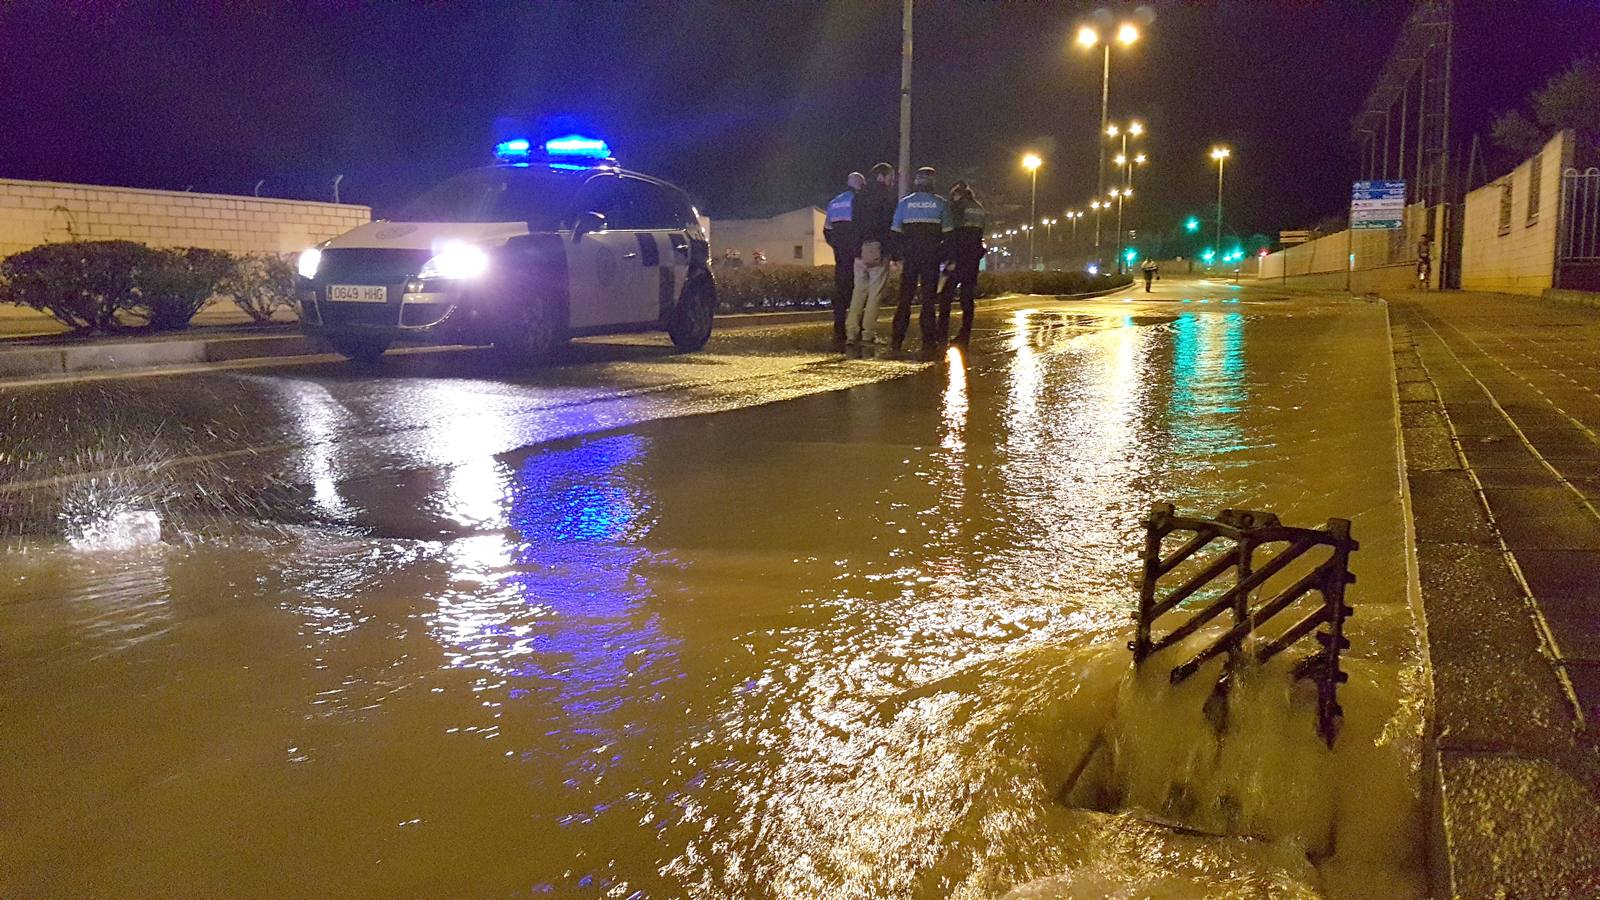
[(1377, 204)]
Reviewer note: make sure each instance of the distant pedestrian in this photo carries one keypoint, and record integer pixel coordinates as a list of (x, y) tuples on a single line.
[(1424, 261), (1149, 268), (873, 216), (964, 249), (920, 222), (839, 230)]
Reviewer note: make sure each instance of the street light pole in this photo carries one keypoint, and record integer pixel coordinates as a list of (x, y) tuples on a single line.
[(905, 98), (1031, 162), (1088, 35), (1097, 205), (1220, 154), (1033, 210), (1105, 114)]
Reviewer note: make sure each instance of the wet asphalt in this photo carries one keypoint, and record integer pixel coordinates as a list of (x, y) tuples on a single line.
[(758, 621)]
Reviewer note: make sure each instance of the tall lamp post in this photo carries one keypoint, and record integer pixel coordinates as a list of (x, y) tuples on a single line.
[(1220, 154), (1031, 162), (904, 174), (1088, 35), (1049, 240), (1097, 205), (1073, 215), (1120, 195), (1134, 129)]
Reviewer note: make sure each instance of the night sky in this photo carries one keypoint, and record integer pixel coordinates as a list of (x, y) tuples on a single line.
[(751, 107)]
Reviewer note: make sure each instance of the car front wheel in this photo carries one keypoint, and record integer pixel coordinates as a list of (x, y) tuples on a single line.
[(690, 325), (530, 330)]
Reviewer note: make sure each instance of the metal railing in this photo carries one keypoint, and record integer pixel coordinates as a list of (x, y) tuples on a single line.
[(1578, 245), (1253, 555)]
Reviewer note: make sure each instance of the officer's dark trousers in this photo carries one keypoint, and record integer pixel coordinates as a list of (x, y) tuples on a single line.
[(844, 284), (965, 281), (920, 279)]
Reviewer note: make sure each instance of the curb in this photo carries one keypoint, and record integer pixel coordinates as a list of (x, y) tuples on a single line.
[(32, 361)]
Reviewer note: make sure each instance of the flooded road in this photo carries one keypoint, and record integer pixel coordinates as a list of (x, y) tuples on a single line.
[(751, 623)]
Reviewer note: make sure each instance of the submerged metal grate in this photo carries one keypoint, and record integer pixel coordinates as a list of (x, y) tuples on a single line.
[(1256, 547)]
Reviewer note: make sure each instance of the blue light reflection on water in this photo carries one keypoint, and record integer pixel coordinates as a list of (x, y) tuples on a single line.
[(550, 608), (1209, 389)]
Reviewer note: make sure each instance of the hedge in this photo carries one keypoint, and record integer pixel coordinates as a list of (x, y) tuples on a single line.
[(791, 287), (126, 286)]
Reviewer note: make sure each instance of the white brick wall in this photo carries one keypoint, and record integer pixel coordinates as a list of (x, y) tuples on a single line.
[(38, 212), (1522, 259)]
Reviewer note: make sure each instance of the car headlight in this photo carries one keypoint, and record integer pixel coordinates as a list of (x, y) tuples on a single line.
[(456, 260), (307, 264)]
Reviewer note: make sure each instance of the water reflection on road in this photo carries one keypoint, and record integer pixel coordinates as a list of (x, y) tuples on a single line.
[(839, 646)]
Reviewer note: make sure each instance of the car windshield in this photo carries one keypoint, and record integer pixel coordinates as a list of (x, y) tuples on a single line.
[(539, 196)]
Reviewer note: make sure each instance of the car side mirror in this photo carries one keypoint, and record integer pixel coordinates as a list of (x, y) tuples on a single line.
[(587, 222)]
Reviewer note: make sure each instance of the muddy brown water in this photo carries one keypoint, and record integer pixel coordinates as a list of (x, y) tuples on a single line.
[(847, 644)]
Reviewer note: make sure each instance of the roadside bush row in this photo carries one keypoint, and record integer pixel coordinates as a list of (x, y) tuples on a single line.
[(126, 286), (791, 287)]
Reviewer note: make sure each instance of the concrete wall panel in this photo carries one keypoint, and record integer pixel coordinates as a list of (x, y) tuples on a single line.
[(38, 212)]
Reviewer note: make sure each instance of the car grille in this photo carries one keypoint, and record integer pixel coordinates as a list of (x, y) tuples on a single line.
[(366, 265)]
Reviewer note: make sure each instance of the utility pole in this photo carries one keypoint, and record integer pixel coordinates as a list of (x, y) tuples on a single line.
[(905, 98)]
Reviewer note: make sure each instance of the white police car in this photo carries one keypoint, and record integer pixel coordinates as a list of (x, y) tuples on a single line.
[(521, 255)]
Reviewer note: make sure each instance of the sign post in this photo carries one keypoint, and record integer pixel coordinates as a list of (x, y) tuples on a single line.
[(1374, 206)]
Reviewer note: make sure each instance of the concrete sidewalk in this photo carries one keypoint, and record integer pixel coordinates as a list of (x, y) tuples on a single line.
[(1500, 410)]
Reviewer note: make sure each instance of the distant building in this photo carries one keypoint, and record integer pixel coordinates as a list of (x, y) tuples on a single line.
[(791, 238)]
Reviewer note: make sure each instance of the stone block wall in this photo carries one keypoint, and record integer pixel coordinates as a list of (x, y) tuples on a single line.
[(38, 212), (1516, 255)]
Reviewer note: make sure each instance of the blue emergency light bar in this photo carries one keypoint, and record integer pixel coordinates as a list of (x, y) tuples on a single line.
[(576, 145), (514, 150), (574, 148)]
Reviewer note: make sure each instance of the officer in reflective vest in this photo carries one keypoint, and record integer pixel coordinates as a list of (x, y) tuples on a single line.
[(839, 230), (920, 223), (964, 249)]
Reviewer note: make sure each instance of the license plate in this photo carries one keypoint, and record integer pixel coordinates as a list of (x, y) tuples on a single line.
[(358, 293)]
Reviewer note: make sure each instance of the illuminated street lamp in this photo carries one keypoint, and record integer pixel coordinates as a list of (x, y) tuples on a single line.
[(1032, 162), (1073, 215), (1088, 35), (1220, 154)]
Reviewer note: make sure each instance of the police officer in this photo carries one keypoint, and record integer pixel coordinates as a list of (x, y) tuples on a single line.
[(839, 230), (920, 222), (964, 249)]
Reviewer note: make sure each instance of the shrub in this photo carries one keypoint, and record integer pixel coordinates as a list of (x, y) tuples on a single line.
[(114, 285), (260, 285), (1055, 283), (81, 284), (773, 287), (177, 283)]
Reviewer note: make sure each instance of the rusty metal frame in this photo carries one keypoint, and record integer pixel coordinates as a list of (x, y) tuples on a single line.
[(1246, 532)]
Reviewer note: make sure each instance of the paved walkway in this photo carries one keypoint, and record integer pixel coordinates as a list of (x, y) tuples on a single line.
[(1499, 410), (1520, 383)]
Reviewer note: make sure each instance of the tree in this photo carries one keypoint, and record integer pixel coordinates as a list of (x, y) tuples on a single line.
[(1572, 100), (1514, 133)]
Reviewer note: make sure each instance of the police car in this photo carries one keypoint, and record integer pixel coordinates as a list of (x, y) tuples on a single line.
[(551, 242)]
